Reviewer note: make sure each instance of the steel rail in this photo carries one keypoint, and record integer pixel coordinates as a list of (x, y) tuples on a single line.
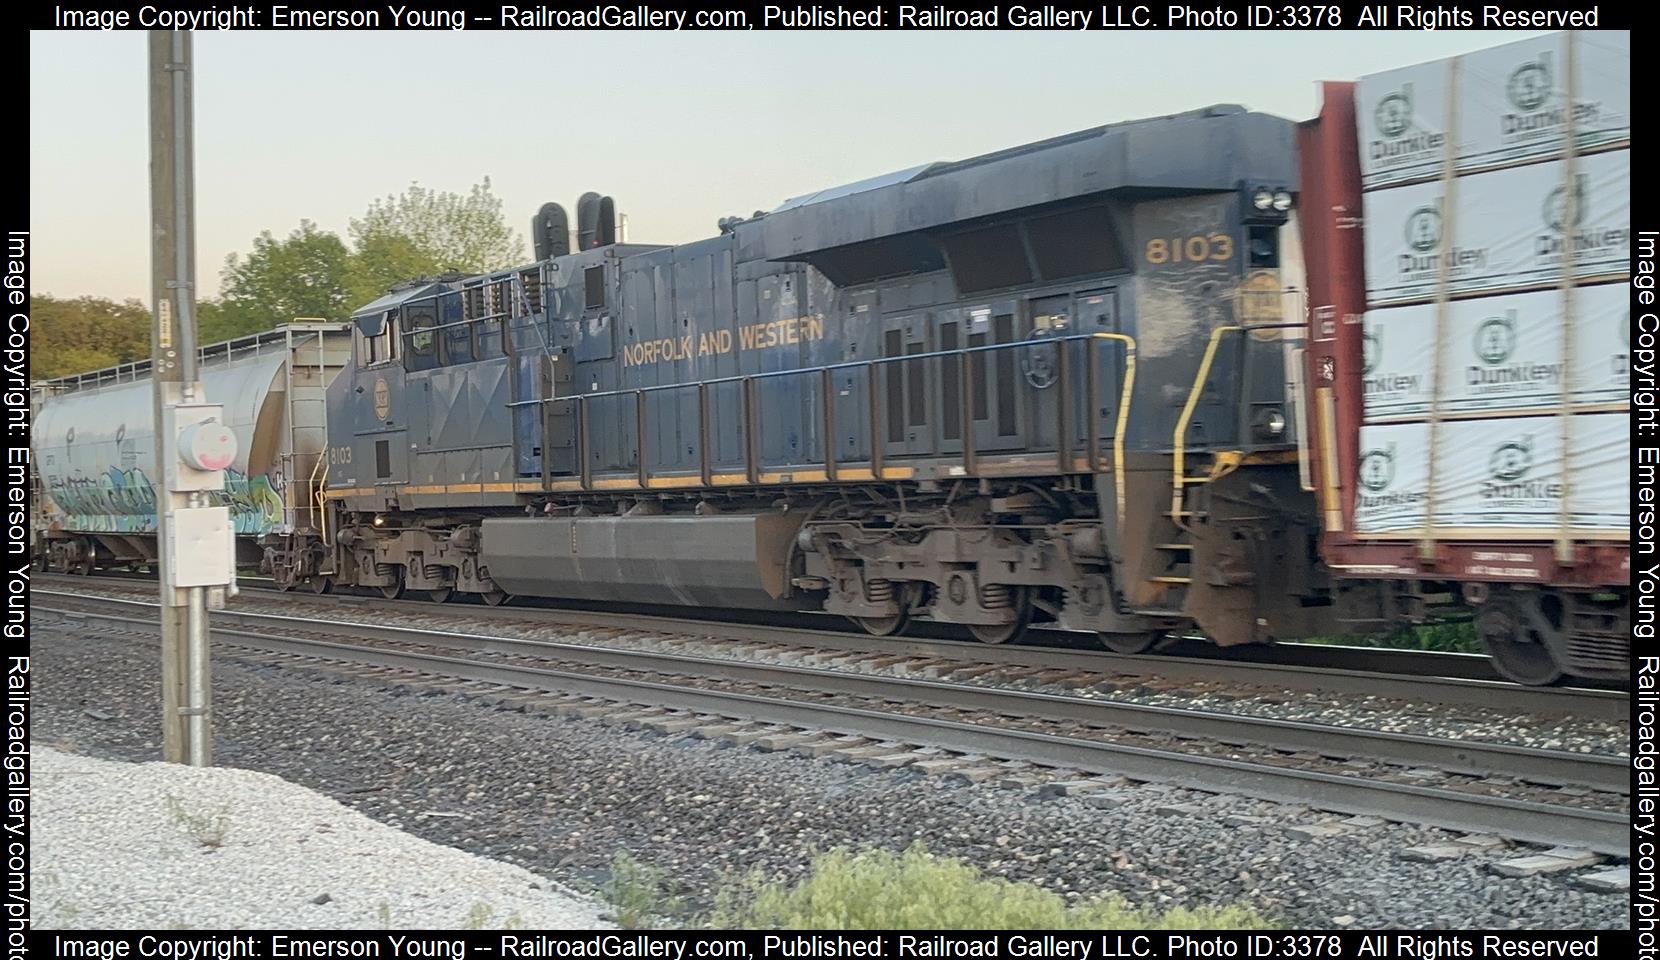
[(1469, 757), (1603, 831), (1453, 691)]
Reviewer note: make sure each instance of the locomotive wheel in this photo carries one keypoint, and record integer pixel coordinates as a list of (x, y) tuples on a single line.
[(494, 598), (1130, 644), (393, 590), (440, 595), (1005, 632), (321, 584), (1513, 643), (884, 626)]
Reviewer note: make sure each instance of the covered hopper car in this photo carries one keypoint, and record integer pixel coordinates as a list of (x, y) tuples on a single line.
[(94, 449)]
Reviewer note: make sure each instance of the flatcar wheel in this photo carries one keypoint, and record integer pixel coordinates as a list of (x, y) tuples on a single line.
[(1005, 632), (495, 598), (884, 626), (321, 584), (441, 595), (1130, 644), (1518, 653)]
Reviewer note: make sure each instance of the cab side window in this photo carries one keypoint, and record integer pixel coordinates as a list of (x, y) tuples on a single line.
[(418, 321), (381, 347), (456, 332)]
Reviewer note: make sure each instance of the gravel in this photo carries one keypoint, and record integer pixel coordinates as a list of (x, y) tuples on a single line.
[(563, 795), (122, 845), (1569, 733)]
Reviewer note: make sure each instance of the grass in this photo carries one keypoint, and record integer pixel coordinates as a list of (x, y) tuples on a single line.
[(638, 894), (1457, 637), (207, 829), (913, 890)]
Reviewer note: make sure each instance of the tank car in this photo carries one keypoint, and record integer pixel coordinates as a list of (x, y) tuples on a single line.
[(1049, 383), (94, 449)]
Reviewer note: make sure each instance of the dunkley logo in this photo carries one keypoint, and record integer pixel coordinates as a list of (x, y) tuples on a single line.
[(1496, 339), (1556, 205), (1530, 84), (1377, 469), (1394, 112), (1512, 460), (1400, 136), (1423, 228)]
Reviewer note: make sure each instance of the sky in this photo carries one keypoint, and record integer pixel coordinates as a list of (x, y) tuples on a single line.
[(681, 128)]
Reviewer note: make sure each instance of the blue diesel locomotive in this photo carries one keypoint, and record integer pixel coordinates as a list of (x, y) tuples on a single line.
[(1056, 382)]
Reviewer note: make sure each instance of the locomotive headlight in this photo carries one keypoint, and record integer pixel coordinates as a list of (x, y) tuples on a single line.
[(1282, 201), (1269, 424), (1262, 199), (380, 521)]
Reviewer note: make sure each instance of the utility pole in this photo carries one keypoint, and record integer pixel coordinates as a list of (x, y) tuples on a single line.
[(193, 446)]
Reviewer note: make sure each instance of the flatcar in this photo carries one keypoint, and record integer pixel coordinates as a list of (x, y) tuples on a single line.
[(1056, 382)]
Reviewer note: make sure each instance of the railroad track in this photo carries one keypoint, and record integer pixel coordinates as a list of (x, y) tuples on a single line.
[(1527, 794), (1428, 678)]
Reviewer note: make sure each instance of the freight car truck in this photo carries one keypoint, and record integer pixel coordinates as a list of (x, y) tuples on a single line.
[(1466, 228)]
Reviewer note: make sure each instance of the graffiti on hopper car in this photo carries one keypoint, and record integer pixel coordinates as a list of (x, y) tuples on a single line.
[(124, 501)]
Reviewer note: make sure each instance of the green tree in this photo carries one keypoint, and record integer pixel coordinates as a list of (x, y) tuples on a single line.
[(303, 275), (381, 260), (85, 333), (215, 322), (451, 231)]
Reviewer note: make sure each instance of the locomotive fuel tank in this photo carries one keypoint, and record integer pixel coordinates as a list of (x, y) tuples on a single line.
[(738, 561)]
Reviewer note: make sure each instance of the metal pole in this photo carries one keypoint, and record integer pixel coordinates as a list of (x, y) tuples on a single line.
[(166, 376), (199, 680), (199, 685), (185, 670), (184, 207)]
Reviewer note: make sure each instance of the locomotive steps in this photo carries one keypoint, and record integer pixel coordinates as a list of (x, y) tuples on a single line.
[(1480, 787)]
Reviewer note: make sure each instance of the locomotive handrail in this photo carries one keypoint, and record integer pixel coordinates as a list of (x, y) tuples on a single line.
[(766, 374), (319, 496), (1178, 440), (1123, 415), (751, 405)]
